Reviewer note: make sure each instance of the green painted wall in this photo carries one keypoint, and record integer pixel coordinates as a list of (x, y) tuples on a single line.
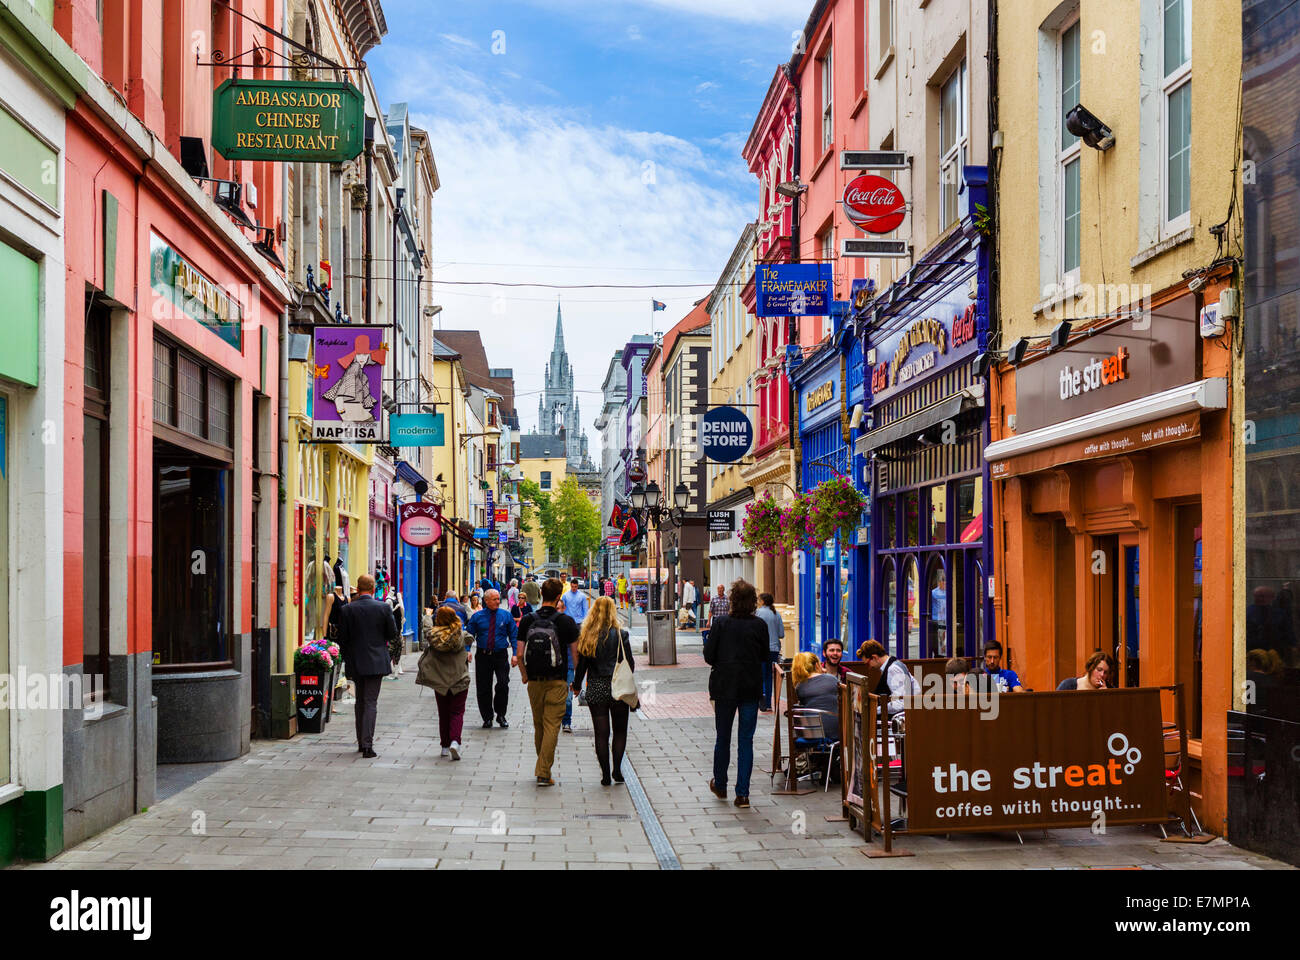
[(20, 279), (9, 831), (31, 826), (29, 159)]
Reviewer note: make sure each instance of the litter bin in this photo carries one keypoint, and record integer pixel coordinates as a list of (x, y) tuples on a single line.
[(662, 628)]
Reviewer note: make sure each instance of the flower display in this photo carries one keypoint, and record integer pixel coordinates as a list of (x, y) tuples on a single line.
[(315, 655), (797, 525), (835, 506), (760, 531)]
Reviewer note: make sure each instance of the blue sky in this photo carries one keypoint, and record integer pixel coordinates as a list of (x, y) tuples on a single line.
[(600, 143)]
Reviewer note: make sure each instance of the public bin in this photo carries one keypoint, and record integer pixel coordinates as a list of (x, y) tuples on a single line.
[(662, 628)]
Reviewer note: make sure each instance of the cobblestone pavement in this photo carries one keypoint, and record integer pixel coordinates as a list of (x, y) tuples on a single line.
[(313, 802)]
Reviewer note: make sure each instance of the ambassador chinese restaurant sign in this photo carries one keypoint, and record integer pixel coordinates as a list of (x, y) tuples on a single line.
[(288, 120)]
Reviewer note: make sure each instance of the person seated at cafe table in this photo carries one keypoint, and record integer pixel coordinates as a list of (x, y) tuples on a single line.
[(832, 654), (896, 682), (1003, 681), (816, 689), (1097, 672), (956, 673)]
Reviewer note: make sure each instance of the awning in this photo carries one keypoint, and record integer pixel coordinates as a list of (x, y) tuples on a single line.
[(1209, 394), (409, 473), (911, 425)]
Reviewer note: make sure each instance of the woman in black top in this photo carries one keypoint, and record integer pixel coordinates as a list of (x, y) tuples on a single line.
[(599, 646), (737, 650)]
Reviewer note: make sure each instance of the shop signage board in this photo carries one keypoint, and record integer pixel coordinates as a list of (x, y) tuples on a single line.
[(302, 121), (874, 204), (821, 398), (722, 521), (1045, 760), (1183, 426), (178, 281), (482, 533), (794, 289), (1125, 361), (348, 367), (942, 334), (502, 514), (726, 435), (416, 430), (636, 472), (420, 523)]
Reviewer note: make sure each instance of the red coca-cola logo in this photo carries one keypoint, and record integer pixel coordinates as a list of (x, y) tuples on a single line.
[(874, 204)]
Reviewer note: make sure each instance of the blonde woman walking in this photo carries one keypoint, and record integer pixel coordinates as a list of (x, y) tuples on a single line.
[(600, 644)]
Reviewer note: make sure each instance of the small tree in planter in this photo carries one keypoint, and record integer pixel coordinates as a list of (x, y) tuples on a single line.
[(760, 532), (836, 507)]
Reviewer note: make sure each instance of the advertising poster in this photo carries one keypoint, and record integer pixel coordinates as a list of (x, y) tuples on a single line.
[(348, 384)]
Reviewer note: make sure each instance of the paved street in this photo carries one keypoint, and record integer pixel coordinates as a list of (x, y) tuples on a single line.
[(313, 802)]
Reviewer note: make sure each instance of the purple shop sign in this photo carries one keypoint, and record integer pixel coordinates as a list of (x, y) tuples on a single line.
[(347, 384)]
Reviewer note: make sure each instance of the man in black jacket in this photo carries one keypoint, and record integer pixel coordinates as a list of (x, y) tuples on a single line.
[(366, 629)]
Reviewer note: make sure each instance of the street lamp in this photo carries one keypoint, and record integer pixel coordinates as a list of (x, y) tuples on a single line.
[(648, 499)]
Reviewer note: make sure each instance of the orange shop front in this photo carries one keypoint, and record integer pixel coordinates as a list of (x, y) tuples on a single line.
[(1111, 463)]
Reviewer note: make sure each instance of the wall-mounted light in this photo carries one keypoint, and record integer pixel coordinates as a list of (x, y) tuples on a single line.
[(1016, 355), (1083, 124), (1060, 334)]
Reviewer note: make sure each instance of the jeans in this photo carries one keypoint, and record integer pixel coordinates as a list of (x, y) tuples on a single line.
[(486, 666), (547, 700), (724, 712), (568, 704), (766, 702), (451, 716)]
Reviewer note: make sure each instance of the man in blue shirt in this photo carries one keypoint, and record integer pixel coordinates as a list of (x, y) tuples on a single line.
[(494, 634), (453, 601), (1004, 681), (576, 605)]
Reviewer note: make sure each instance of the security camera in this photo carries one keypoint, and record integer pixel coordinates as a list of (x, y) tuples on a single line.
[(856, 420), (1092, 131)]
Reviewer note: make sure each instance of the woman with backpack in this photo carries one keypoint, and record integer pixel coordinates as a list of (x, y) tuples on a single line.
[(602, 649), (444, 666)]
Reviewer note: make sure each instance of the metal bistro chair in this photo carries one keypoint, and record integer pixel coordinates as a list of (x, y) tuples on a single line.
[(810, 737), (1174, 774)]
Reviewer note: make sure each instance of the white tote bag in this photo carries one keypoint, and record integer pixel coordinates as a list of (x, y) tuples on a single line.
[(623, 685)]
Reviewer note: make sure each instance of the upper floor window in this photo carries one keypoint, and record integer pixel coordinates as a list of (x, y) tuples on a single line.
[(1068, 150), (1176, 122), (952, 143), (828, 99), (545, 483), (884, 30)]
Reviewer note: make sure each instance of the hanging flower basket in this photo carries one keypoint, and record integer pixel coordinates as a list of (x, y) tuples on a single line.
[(835, 507), (797, 526), (760, 531)]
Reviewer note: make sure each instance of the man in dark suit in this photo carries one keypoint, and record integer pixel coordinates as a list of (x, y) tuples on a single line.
[(366, 629)]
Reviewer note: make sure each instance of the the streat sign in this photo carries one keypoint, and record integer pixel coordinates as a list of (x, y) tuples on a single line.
[(1094, 375)]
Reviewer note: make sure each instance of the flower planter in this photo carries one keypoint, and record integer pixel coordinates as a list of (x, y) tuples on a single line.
[(329, 693), (311, 698)]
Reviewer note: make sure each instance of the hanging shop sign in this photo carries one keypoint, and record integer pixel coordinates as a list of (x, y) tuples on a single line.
[(416, 430), (287, 120), (503, 514), (421, 523), (794, 289), (636, 472), (1042, 760), (348, 364), (1126, 361), (722, 521), (944, 335), (874, 204), (726, 435), (173, 277)]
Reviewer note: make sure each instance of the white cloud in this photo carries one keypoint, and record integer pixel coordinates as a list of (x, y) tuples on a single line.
[(459, 41), (792, 12), (706, 85), (525, 189)]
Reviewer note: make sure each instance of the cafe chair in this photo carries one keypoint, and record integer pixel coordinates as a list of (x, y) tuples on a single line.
[(1174, 785), (810, 737)]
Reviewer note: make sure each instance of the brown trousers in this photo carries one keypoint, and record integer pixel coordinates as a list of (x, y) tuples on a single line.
[(548, 698)]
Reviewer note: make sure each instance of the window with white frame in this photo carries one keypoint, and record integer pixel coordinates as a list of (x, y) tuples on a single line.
[(1068, 151), (1176, 121), (828, 99), (952, 143), (884, 30)]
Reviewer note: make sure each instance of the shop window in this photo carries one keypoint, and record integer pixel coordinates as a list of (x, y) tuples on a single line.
[(889, 604), (912, 597), (95, 501), (1068, 162), (191, 559), (970, 511), (190, 396), (888, 523), (957, 581), (980, 594), (1176, 104), (911, 516), (937, 607), (937, 527)]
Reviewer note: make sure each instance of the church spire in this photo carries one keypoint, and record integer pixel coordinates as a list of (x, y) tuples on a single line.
[(559, 332)]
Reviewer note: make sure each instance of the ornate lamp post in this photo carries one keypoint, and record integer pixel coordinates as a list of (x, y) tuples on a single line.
[(647, 500)]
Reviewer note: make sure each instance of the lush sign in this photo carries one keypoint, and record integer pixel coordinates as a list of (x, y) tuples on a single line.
[(794, 289), (289, 120), (175, 278)]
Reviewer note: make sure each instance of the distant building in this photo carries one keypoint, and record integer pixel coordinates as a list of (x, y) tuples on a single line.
[(557, 410)]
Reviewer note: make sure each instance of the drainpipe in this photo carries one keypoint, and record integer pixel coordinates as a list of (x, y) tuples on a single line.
[(370, 206)]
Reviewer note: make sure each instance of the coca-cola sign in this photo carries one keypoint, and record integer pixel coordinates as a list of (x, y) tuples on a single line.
[(874, 204)]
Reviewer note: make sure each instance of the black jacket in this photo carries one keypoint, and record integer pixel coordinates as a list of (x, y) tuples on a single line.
[(737, 651), (366, 628), (606, 658)]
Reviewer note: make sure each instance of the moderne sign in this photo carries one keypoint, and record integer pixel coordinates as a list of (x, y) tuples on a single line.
[(421, 523), (290, 120), (794, 289), (416, 430)]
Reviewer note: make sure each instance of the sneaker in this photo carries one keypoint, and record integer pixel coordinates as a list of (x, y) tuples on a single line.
[(545, 782), (742, 802), (455, 750), (567, 728), (446, 752)]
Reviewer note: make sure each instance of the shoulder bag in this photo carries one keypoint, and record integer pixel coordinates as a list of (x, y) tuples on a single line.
[(623, 685)]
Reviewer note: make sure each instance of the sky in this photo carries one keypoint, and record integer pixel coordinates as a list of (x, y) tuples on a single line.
[(582, 142)]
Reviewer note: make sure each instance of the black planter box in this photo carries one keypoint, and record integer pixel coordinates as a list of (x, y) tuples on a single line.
[(311, 696)]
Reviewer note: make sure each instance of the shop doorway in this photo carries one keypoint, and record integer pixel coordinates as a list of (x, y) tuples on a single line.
[(1116, 564)]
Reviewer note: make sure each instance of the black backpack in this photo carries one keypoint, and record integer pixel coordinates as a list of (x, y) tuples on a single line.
[(542, 650)]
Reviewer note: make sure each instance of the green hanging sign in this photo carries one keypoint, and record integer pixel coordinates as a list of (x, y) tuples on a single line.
[(288, 120)]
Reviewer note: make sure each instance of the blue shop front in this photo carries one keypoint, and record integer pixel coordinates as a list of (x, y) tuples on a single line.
[(834, 580), (931, 533)]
